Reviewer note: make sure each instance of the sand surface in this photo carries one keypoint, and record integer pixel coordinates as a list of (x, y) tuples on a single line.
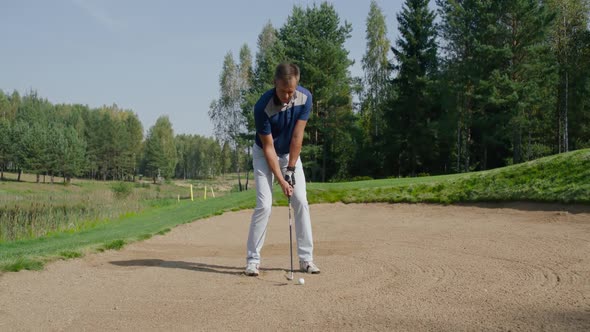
[(511, 267)]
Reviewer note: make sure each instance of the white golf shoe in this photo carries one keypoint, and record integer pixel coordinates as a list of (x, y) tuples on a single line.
[(252, 269), (309, 267)]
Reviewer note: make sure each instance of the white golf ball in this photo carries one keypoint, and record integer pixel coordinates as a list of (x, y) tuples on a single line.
[(301, 281)]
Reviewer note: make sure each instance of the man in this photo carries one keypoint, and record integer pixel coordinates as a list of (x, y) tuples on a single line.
[(280, 116)]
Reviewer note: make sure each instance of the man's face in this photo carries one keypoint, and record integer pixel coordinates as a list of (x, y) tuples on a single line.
[(285, 89)]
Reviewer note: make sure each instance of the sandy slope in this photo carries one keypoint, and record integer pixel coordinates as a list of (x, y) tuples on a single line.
[(384, 267)]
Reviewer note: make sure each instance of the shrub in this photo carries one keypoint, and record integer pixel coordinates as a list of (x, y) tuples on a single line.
[(122, 189)]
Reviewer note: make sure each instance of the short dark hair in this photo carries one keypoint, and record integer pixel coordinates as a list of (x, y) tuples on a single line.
[(287, 70)]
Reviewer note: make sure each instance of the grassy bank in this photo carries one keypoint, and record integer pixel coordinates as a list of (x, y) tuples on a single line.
[(30, 210), (32, 254), (563, 178)]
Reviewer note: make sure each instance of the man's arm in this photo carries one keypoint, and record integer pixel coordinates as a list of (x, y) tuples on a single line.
[(273, 163), (296, 142)]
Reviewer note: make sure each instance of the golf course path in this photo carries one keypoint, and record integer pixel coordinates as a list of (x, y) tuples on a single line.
[(400, 267)]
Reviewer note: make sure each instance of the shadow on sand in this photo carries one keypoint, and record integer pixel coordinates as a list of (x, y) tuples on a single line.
[(191, 266), (531, 206)]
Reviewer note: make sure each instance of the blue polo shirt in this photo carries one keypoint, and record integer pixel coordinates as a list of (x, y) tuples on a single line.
[(274, 118)]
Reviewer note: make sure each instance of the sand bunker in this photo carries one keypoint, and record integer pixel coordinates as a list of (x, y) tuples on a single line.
[(384, 267)]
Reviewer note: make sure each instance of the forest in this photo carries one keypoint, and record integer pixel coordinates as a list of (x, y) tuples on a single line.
[(467, 86)]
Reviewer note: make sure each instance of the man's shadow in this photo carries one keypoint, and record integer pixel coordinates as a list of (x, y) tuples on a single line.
[(198, 267)]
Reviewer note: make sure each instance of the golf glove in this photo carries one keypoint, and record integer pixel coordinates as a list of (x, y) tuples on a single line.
[(290, 175)]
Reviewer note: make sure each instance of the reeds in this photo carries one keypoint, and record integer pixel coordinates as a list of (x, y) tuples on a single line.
[(31, 215)]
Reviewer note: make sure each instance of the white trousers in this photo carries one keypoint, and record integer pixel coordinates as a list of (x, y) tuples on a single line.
[(263, 178)]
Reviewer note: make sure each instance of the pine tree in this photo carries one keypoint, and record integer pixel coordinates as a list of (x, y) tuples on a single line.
[(52, 146), (580, 130), (32, 149), (314, 39), (568, 41), (474, 51), (73, 154), (160, 152), (525, 24), (133, 138), (411, 114)]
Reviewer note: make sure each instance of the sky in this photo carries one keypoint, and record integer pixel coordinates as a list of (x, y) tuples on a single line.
[(153, 57)]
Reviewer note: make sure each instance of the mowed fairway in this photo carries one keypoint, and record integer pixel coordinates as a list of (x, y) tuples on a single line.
[(400, 267)]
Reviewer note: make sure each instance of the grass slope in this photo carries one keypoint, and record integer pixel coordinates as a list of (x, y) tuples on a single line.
[(562, 178), (31, 254)]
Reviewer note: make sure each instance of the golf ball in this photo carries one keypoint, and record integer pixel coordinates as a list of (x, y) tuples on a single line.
[(301, 281)]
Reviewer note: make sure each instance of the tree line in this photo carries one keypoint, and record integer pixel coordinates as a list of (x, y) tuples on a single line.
[(106, 143), (470, 85)]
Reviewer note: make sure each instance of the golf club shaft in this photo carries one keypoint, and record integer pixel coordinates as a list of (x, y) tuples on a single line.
[(290, 237)]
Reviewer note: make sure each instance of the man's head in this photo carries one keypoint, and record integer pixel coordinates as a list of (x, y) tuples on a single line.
[(286, 80)]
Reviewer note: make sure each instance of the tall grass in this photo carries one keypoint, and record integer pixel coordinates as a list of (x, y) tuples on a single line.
[(37, 210)]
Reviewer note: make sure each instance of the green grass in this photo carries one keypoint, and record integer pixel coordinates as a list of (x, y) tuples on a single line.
[(116, 233), (164, 231), (68, 254), (562, 178), (31, 210), (113, 245), (144, 237), (21, 263)]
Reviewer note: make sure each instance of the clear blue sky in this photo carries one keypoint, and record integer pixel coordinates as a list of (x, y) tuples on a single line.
[(153, 57)]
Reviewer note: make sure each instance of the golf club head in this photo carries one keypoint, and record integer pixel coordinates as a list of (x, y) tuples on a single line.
[(289, 276)]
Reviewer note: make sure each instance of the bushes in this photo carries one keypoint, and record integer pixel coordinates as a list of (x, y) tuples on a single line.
[(122, 189)]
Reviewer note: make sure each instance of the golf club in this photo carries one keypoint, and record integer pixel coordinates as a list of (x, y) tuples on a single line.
[(290, 276)]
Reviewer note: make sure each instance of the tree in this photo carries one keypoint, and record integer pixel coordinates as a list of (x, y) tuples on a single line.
[(114, 139), (18, 138), (213, 153), (32, 149), (72, 158), (226, 113), (568, 41), (198, 157), (225, 158), (522, 80), (33, 109), (314, 39), (373, 99), (182, 143), (160, 152), (245, 138), (270, 53), (473, 49), (5, 146), (377, 71), (53, 144), (580, 130), (14, 103), (132, 148), (268, 56), (4, 106), (412, 112)]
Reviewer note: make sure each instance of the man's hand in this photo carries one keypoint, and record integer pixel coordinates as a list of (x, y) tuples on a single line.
[(286, 187), (290, 175)]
